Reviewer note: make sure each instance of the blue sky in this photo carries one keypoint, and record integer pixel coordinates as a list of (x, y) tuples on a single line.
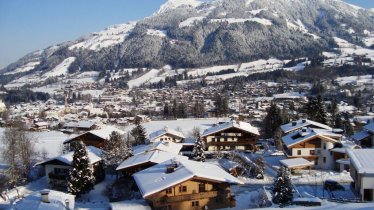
[(29, 25)]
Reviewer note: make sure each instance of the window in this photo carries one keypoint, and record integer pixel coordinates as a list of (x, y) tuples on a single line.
[(316, 162), (324, 159), (169, 191), (324, 145), (195, 203), (182, 188), (201, 187), (298, 152), (213, 139), (312, 152)]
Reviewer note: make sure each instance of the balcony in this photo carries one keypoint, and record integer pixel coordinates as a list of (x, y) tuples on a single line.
[(57, 176), (189, 197)]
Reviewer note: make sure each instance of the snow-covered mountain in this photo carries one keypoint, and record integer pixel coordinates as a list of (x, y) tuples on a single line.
[(200, 33)]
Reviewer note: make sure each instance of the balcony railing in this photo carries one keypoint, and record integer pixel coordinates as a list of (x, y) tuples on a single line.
[(57, 176), (195, 196)]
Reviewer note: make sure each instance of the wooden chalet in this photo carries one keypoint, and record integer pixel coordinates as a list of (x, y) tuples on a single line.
[(365, 138), (96, 138), (233, 135), (182, 184)]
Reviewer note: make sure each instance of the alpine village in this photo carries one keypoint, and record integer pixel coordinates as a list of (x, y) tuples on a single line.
[(204, 104)]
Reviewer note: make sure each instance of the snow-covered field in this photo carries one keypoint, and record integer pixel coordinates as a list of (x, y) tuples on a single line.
[(143, 79), (49, 141), (60, 69), (25, 68)]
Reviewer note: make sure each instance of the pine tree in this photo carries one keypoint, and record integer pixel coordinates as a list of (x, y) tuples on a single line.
[(272, 121), (198, 150), (138, 132), (321, 115), (282, 188), (81, 179), (316, 110), (116, 150), (166, 110)]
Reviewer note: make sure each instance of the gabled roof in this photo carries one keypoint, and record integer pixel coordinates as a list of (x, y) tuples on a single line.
[(170, 147), (370, 127), (166, 130), (362, 160), (244, 126), (80, 124), (103, 133), (155, 156), (94, 155), (296, 162), (297, 137), (295, 125), (361, 135), (155, 178)]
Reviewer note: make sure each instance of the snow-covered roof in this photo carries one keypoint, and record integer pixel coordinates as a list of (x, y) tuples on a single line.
[(80, 124), (165, 131), (140, 204), (94, 155), (244, 126), (370, 127), (170, 147), (362, 160), (155, 156), (296, 162), (295, 125), (56, 201), (155, 178), (303, 135), (103, 133)]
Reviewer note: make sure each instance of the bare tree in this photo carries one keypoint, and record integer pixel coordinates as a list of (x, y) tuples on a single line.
[(19, 154)]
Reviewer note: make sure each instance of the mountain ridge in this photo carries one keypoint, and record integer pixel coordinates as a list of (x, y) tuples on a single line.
[(198, 33)]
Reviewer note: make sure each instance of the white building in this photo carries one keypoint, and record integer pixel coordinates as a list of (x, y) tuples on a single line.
[(362, 172), (166, 134)]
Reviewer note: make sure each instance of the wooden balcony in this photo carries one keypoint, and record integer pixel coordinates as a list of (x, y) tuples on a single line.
[(189, 197), (231, 143)]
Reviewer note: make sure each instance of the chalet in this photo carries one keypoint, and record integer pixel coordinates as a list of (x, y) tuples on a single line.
[(146, 156), (362, 173), (365, 138), (166, 134), (80, 126), (39, 126), (96, 138), (233, 135), (296, 163), (47, 199), (299, 124), (313, 145), (57, 168), (184, 184)]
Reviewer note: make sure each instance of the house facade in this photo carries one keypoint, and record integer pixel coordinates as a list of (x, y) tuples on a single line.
[(166, 134), (233, 135), (314, 145), (57, 169), (96, 138), (362, 173), (186, 184), (365, 138)]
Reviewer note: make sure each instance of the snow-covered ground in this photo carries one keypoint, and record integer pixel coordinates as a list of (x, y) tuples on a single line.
[(143, 79), (25, 68), (49, 141), (111, 36), (60, 69)]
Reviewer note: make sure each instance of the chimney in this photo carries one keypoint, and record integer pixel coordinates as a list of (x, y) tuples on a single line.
[(44, 194), (67, 203), (294, 123)]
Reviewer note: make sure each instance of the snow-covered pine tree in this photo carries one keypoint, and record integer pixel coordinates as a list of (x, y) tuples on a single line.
[(321, 115), (282, 188), (116, 150), (260, 167), (198, 150), (138, 132), (81, 179)]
